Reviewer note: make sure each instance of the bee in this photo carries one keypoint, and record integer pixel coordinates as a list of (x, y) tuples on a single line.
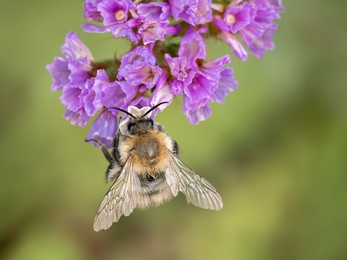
[(146, 171)]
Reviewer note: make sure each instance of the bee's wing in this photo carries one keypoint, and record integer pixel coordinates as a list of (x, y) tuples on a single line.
[(120, 199), (197, 189)]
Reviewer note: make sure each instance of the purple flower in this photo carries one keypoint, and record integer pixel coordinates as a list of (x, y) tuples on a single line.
[(201, 85), (258, 34), (182, 75), (237, 17), (115, 17), (118, 30), (139, 102), (72, 76), (79, 61), (60, 73), (91, 95), (71, 98), (113, 95), (104, 127), (76, 51), (235, 46), (263, 43), (161, 93), (195, 116), (142, 78), (138, 68), (192, 47), (90, 10), (82, 94), (194, 12), (212, 83), (253, 20), (115, 11), (200, 82), (152, 31), (75, 66), (277, 5), (159, 11), (79, 118), (199, 92), (226, 80)]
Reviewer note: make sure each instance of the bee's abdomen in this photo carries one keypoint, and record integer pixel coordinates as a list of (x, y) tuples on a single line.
[(154, 191)]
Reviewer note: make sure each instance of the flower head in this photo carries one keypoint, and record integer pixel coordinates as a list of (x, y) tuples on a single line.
[(194, 12), (90, 10), (159, 11), (253, 21), (138, 68), (239, 16), (168, 57)]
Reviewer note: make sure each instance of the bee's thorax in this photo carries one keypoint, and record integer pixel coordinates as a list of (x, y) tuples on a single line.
[(148, 150)]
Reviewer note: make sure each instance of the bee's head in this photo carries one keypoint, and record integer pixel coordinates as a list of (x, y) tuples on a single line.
[(139, 125), (138, 120)]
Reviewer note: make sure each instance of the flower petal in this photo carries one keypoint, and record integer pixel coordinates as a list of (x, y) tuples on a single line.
[(104, 128)]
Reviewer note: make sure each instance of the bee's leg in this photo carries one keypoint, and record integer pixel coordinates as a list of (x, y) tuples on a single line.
[(115, 150), (114, 168), (175, 148), (107, 155)]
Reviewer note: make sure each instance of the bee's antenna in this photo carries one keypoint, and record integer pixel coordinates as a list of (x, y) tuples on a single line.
[(122, 110), (157, 105)]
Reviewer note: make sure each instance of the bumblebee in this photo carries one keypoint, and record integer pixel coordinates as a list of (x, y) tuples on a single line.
[(147, 172)]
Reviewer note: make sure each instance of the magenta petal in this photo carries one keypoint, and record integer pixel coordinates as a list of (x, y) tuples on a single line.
[(71, 98), (152, 31), (140, 53), (197, 93), (218, 62), (235, 46), (75, 49), (93, 28), (226, 84), (123, 30), (143, 74), (161, 93), (192, 47), (114, 96), (90, 10), (264, 43), (154, 11), (220, 24), (237, 17), (115, 11), (79, 118), (130, 91), (177, 67), (277, 5), (78, 76), (138, 68), (88, 96), (60, 73), (193, 12), (200, 12), (197, 115), (251, 33), (104, 128)]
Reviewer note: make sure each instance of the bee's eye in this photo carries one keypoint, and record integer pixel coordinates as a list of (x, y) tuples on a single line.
[(132, 127), (149, 123)]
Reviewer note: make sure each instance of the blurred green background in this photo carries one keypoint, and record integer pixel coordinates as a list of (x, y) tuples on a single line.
[(276, 150)]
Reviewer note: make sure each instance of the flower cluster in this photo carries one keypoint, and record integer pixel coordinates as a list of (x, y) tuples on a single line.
[(156, 68)]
